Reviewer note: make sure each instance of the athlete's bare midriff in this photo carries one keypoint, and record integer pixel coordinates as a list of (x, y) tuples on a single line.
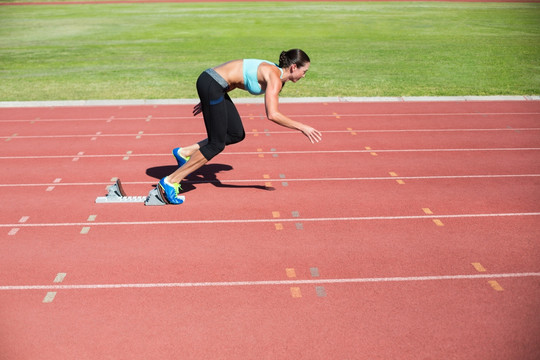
[(232, 73)]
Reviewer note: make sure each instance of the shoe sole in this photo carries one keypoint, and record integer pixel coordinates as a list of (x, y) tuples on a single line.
[(162, 194), (164, 197)]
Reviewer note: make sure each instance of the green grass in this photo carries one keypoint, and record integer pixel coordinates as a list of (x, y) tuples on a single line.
[(151, 51)]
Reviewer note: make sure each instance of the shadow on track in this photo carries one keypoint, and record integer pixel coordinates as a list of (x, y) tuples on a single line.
[(206, 174)]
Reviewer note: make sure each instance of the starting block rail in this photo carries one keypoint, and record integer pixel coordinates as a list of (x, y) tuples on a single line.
[(117, 195)]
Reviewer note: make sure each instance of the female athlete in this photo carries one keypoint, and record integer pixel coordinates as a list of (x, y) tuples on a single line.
[(221, 118)]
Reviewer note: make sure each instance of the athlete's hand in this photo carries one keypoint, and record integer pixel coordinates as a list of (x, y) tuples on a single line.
[(313, 135), (197, 109)]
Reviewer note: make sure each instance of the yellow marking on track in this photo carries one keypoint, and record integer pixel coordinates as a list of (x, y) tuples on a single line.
[(393, 174), (275, 214), (268, 184), (372, 153), (495, 285), (266, 176), (278, 226), (438, 222), (11, 137), (479, 267), (427, 211), (290, 272), (295, 292)]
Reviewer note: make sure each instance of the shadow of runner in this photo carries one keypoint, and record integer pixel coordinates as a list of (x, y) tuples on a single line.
[(206, 174)]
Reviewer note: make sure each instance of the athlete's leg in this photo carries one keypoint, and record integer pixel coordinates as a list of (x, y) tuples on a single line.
[(196, 161), (235, 129), (214, 111), (227, 114), (188, 151), (217, 109)]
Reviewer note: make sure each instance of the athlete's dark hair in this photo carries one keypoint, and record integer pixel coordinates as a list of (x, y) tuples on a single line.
[(293, 56)]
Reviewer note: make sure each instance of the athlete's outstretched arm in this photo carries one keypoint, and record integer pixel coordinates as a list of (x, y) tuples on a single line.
[(271, 101)]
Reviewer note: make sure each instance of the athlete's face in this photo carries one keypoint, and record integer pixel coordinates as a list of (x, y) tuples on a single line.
[(299, 72)]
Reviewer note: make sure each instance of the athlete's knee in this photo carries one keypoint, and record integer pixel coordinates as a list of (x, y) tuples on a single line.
[(212, 149), (235, 138), (242, 136)]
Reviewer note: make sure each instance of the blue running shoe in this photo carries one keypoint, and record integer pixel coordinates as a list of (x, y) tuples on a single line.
[(179, 158), (171, 192)]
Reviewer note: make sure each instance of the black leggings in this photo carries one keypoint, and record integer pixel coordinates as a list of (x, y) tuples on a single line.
[(222, 121)]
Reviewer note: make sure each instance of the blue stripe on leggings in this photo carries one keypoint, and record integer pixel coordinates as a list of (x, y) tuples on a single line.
[(217, 101)]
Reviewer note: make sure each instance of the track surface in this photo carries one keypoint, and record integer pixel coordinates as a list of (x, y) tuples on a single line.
[(410, 232)]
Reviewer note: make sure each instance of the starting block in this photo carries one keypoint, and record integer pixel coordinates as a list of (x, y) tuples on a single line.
[(117, 195)]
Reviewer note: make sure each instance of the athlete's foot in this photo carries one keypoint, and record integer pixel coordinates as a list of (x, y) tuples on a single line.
[(177, 152), (171, 191)]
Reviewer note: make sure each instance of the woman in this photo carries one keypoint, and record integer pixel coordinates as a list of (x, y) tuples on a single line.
[(221, 118)]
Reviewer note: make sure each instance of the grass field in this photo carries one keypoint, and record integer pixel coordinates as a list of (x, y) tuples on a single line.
[(150, 51)]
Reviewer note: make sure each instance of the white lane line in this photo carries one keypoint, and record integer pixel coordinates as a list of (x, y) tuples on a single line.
[(270, 282), (254, 221), (279, 152), (138, 135), (243, 114), (386, 150), (370, 178), (427, 130), (434, 177)]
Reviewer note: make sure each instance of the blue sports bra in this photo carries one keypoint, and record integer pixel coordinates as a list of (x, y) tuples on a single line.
[(250, 67)]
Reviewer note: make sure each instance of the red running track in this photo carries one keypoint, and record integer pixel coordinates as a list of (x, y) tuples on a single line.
[(410, 232)]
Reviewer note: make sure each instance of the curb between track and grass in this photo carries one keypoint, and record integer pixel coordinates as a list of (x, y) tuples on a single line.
[(260, 100)]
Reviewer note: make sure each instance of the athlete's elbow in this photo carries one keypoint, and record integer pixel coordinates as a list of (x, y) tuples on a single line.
[(273, 116)]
